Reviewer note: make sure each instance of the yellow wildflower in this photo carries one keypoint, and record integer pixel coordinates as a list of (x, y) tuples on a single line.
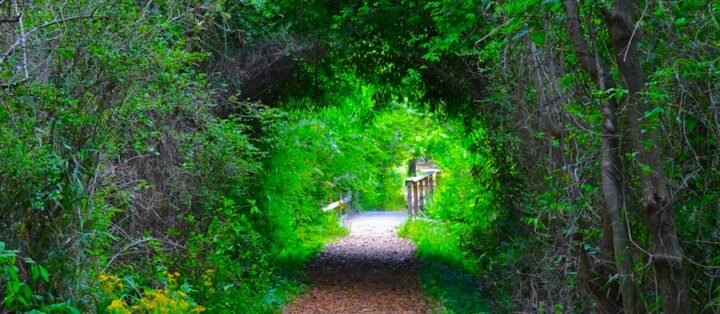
[(110, 283), (166, 301), (207, 279), (171, 277), (118, 306)]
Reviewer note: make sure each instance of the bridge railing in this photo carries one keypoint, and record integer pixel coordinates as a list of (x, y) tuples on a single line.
[(340, 204), (419, 191)]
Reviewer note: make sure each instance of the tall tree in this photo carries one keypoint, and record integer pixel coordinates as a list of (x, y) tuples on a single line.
[(657, 206), (611, 178)]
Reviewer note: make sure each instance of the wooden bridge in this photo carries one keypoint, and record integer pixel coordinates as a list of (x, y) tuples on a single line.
[(418, 191)]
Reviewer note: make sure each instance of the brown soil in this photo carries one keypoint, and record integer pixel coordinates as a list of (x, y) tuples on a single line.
[(370, 271)]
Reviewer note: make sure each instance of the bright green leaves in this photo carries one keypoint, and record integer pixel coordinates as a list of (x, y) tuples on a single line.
[(37, 271), (412, 77), (67, 53), (679, 22), (616, 93), (19, 294), (646, 169), (455, 22), (585, 112), (517, 8)]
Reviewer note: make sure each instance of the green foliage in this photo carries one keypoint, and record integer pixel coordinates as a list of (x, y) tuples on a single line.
[(23, 288), (448, 271), (114, 163), (127, 149)]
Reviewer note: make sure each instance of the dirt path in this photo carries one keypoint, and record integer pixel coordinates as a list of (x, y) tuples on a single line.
[(370, 271)]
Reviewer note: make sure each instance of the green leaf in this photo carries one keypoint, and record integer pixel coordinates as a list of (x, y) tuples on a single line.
[(67, 53), (679, 22), (538, 38), (617, 93), (34, 273), (431, 56), (646, 169), (44, 274), (653, 112), (11, 273), (9, 297), (26, 292), (13, 287)]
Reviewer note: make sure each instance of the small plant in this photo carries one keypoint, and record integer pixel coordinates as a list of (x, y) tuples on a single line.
[(20, 289), (169, 298)]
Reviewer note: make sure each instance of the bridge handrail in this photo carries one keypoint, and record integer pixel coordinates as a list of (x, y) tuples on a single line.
[(419, 190), (338, 204), (422, 176)]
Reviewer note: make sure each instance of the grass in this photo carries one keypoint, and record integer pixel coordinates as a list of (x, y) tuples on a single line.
[(446, 272)]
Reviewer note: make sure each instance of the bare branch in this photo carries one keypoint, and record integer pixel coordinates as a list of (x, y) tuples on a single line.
[(22, 40), (10, 19), (17, 43)]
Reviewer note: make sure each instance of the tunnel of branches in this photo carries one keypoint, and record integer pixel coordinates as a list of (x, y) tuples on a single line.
[(175, 156)]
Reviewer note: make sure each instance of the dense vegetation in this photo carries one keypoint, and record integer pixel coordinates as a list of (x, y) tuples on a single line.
[(173, 155)]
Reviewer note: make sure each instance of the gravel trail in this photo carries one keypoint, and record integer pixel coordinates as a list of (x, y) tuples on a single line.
[(370, 271)]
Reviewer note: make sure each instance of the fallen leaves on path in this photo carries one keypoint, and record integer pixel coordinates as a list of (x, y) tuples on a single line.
[(370, 271)]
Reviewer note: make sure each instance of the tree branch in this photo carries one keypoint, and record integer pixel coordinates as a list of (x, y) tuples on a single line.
[(10, 19)]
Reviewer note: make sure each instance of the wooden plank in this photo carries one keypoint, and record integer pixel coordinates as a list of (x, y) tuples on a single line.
[(408, 187), (421, 194), (332, 206), (335, 205), (416, 178), (415, 198)]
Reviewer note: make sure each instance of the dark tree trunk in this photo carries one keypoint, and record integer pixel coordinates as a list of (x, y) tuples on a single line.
[(611, 178), (657, 208), (594, 282)]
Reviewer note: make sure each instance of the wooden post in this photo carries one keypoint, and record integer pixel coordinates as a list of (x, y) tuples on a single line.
[(432, 184), (428, 191), (415, 197), (421, 195), (428, 194), (408, 188)]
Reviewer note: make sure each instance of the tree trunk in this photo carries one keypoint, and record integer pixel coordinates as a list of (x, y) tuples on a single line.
[(593, 282), (657, 208), (611, 178), (412, 167)]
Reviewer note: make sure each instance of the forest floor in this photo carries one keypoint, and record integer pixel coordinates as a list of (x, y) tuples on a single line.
[(370, 271)]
